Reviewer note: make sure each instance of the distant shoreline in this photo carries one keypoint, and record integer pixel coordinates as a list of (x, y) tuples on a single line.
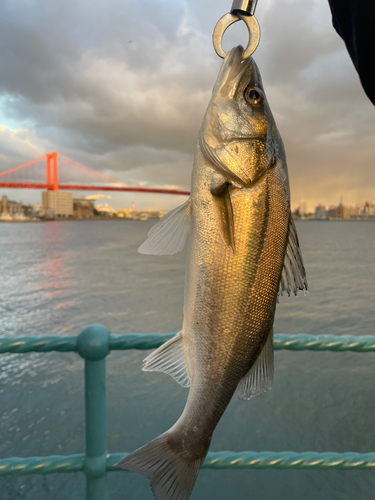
[(364, 219), (122, 219), (70, 219)]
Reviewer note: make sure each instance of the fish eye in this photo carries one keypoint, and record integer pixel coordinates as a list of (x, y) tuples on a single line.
[(253, 96)]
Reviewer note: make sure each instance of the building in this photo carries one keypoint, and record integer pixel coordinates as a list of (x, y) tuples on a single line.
[(321, 212), (126, 213), (58, 201), (332, 212), (39, 212), (350, 212), (368, 210), (83, 208), (106, 209), (343, 212), (12, 208), (302, 208)]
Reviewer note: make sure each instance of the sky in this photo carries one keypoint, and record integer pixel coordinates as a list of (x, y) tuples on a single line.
[(122, 87)]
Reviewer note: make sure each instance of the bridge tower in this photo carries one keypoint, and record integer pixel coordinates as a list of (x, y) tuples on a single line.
[(52, 185)]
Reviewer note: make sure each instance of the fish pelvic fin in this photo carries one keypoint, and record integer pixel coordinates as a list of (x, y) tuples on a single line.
[(170, 359), (172, 475), (293, 276), (259, 378), (223, 203), (170, 234)]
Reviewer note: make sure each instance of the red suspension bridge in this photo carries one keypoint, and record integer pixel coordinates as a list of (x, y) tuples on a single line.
[(54, 172)]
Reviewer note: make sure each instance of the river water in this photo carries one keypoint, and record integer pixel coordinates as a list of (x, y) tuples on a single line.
[(58, 277)]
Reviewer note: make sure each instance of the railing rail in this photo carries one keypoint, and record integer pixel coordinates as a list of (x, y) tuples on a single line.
[(282, 341), (96, 342)]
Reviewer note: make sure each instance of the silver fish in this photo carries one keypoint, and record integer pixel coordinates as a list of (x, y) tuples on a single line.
[(243, 252)]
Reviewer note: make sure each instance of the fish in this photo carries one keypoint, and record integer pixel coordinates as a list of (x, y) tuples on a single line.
[(243, 253)]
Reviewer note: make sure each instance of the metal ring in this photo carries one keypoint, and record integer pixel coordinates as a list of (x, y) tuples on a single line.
[(224, 23)]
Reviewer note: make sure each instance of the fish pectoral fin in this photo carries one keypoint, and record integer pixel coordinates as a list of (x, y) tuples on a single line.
[(169, 358), (170, 234), (223, 204), (293, 276), (259, 378)]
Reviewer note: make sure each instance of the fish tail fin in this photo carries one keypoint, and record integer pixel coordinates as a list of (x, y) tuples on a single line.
[(172, 475)]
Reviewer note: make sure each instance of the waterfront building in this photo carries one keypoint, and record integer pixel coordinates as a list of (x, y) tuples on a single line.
[(302, 208), (321, 212), (12, 208), (332, 212), (36, 208), (125, 213), (349, 212), (368, 209), (36, 211), (58, 201), (343, 212), (106, 209), (83, 207)]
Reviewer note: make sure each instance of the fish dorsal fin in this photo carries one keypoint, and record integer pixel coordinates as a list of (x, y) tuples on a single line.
[(169, 358), (170, 234), (293, 276), (223, 203), (259, 378)]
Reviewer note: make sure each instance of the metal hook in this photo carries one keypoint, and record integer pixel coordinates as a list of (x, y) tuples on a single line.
[(224, 23), (241, 9)]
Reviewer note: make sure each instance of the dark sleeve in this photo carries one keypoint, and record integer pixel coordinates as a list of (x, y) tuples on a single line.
[(354, 21)]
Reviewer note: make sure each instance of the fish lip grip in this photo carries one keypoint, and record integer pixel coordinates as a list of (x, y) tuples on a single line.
[(241, 10)]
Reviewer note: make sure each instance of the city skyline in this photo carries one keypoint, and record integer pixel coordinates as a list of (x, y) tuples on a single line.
[(107, 200), (35, 197)]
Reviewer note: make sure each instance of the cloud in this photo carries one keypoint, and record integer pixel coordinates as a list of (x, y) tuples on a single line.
[(122, 87), (18, 147)]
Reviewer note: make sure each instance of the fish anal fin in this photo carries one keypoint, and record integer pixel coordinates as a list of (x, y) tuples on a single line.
[(223, 203), (170, 234), (259, 378), (169, 358), (293, 276)]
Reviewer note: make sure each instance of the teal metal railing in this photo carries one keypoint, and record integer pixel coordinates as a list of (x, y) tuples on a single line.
[(95, 343)]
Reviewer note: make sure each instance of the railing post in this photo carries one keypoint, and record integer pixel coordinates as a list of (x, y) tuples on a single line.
[(93, 346)]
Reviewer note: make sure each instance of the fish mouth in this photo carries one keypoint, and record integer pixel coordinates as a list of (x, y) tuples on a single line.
[(235, 61), (234, 56), (231, 72)]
